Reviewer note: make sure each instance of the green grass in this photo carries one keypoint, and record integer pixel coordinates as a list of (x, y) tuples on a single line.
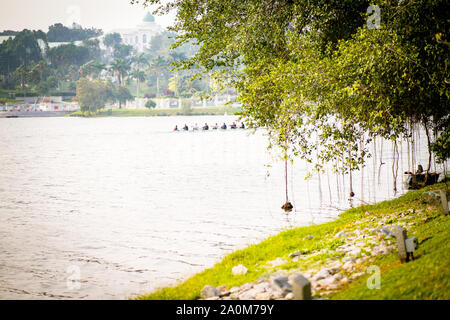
[(427, 277), (160, 112)]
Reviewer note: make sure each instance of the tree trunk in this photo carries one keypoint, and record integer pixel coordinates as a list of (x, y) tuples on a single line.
[(429, 146)]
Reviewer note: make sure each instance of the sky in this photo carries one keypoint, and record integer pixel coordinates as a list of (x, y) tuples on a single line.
[(102, 14)]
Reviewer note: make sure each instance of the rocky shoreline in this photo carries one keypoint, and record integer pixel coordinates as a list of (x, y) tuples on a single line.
[(356, 248)]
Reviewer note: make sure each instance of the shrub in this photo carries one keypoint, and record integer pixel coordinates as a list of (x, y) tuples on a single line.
[(150, 104)]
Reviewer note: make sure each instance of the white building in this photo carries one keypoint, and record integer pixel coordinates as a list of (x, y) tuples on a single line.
[(140, 36)]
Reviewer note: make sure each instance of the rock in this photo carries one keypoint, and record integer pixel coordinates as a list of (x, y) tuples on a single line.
[(309, 237), (361, 260), (295, 254), (337, 276), (277, 262), (386, 232), (354, 251), (209, 292), (262, 287), (349, 265), (276, 295), (326, 282), (239, 270), (324, 273), (263, 296), (356, 275), (248, 295), (281, 284), (289, 296), (301, 288), (246, 286), (340, 234), (379, 250), (334, 268), (222, 289), (234, 289)]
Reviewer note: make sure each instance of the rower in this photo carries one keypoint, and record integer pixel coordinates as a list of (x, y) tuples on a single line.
[(176, 128), (215, 127), (195, 127), (205, 127), (242, 126), (224, 126), (233, 126), (185, 128)]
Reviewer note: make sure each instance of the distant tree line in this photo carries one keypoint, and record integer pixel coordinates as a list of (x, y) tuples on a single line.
[(60, 33), (28, 66)]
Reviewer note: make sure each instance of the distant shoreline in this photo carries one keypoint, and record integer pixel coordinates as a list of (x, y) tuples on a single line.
[(158, 112), (34, 114)]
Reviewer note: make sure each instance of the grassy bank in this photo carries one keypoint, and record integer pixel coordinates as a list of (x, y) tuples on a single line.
[(158, 112), (427, 277)]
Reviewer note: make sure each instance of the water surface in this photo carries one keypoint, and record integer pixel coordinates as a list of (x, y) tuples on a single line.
[(127, 206)]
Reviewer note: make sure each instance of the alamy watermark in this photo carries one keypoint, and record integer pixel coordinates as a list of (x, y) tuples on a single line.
[(73, 15), (374, 281), (374, 19), (74, 279)]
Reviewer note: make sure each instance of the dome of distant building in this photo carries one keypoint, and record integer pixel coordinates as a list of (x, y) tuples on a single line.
[(149, 17), (140, 36)]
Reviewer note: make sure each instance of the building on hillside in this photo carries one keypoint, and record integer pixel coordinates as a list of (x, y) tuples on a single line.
[(140, 36)]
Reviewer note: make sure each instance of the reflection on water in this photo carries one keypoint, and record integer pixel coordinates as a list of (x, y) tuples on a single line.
[(126, 206)]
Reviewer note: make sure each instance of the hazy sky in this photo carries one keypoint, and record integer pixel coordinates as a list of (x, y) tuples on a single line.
[(104, 14)]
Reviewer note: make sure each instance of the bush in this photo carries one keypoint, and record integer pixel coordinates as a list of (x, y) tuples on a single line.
[(168, 92), (150, 104)]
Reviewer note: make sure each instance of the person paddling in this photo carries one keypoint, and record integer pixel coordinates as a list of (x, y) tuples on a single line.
[(176, 128), (205, 127), (185, 128), (224, 126)]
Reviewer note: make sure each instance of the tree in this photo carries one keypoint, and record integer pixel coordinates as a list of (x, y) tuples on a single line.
[(120, 68), (158, 67), (60, 33), (112, 39), (62, 57), (93, 95), (93, 45), (122, 51), (122, 95), (24, 49), (91, 69), (150, 104), (139, 61), (316, 77), (139, 76)]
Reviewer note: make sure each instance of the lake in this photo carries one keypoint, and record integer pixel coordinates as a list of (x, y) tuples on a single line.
[(125, 205)]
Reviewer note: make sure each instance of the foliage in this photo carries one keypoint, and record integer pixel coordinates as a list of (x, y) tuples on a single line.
[(316, 77), (168, 92), (24, 49), (93, 95), (150, 104), (60, 33), (122, 95), (64, 56), (112, 39), (120, 68)]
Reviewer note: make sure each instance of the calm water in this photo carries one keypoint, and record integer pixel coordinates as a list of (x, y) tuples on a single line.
[(126, 206)]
